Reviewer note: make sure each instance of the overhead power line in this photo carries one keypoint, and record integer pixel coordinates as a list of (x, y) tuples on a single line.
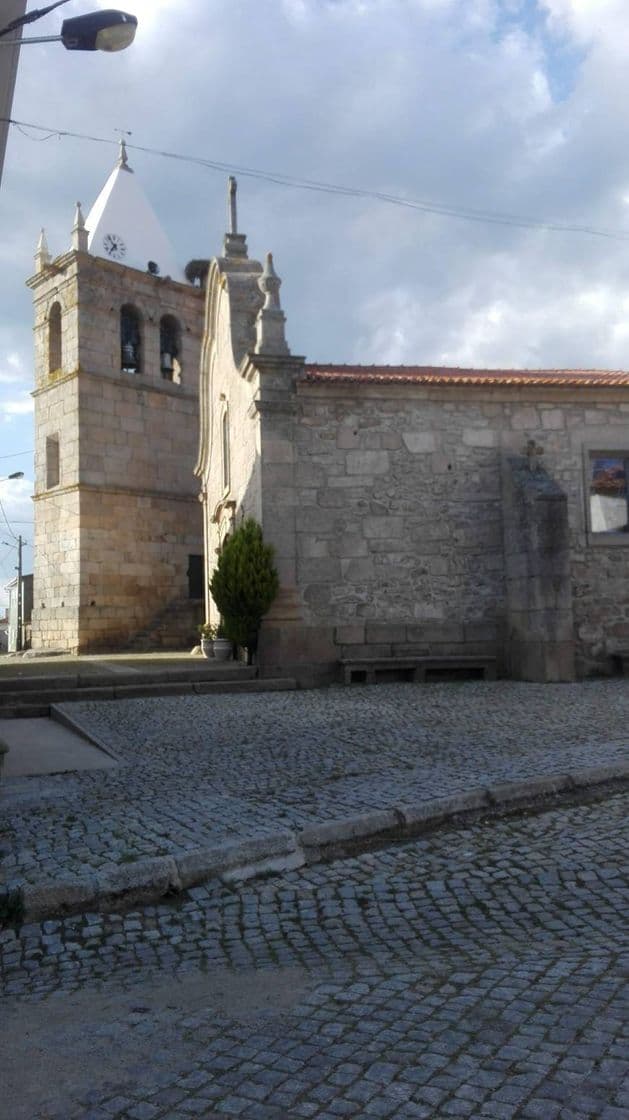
[(6, 520), (16, 454), (465, 213)]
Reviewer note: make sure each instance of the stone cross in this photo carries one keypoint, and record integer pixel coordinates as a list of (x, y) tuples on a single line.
[(533, 452), (232, 218), (234, 244)]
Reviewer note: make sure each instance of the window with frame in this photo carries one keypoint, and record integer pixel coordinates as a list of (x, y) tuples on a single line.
[(225, 450), (130, 340), (608, 492)]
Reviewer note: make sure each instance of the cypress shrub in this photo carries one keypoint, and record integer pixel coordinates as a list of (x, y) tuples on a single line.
[(244, 584)]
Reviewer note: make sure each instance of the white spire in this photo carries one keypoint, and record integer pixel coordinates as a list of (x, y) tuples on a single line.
[(123, 226), (42, 253)]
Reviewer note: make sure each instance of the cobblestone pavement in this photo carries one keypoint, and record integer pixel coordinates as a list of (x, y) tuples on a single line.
[(477, 972), (199, 770)]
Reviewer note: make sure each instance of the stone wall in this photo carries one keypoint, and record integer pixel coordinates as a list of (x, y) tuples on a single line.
[(400, 514)]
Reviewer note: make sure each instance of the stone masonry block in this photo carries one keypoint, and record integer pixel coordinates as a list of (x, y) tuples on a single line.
[(347, 439), (349, 635), (385, 632), (419, 443), (479, 437), (480, 631), (367, 462), (435, 632), (383, 528), (524, 419), (319, 571), (310, 547), (358, 570)]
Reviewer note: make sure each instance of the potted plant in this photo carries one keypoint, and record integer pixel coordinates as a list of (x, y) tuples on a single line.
[(222, 645), (244, 584), (207, 631)]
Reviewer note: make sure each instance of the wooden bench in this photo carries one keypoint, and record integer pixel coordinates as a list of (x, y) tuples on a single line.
[(372, 670)]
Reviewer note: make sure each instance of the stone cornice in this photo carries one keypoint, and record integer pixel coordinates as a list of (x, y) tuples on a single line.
[(269, 363), (61, 263), (567, 395), (125, 381), (127, 491)]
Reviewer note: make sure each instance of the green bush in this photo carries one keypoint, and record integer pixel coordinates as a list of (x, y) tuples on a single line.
[(244, 584)]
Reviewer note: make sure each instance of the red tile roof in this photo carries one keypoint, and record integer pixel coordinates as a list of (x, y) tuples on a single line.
[(449, 375)]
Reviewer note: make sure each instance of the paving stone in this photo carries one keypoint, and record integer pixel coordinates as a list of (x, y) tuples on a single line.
[(479, 971)]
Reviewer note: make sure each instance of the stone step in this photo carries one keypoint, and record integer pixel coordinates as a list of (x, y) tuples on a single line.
[(202, 671), (38, 703)]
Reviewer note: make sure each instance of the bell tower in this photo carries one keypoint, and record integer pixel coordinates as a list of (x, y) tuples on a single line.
[(117, 520)]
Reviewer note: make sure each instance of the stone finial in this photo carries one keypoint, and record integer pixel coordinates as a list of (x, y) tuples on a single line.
[(232, 217), (270, 338), (79, 232), (234, 243), (123, 161), (533, 452), (42, 253)]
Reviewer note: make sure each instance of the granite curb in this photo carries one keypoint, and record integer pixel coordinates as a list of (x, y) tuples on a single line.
[(148, 880)]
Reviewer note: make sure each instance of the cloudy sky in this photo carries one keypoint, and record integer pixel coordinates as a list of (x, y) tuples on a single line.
[(514, 109)]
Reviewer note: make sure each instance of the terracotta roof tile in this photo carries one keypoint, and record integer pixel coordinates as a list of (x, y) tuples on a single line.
[(449, 375)]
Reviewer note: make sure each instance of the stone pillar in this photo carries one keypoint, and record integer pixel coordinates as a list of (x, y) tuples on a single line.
[(539, 619)]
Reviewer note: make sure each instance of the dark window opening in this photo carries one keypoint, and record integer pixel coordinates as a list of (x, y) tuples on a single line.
[(130, 340), (54, 338), (170, 348), (195, 577), (52, 461), (225, 450)]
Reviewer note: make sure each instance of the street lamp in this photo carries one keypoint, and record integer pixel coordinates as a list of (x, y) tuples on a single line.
[(16, 474), (109, 31)]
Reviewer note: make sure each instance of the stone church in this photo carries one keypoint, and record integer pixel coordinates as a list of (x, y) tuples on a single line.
[(422, 518)]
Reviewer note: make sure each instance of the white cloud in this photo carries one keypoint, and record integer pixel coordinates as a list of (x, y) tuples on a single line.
[(590, 20), (19, 406), (443, 100)]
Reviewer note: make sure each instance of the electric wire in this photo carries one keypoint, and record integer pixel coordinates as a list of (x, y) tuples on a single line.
[(7, 522), (465, 213)]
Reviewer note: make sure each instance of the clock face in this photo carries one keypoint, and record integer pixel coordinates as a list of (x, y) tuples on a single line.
[(114, 246)]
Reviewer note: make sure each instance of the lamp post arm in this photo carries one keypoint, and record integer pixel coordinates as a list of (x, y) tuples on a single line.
[(33, 39), (30, 17)]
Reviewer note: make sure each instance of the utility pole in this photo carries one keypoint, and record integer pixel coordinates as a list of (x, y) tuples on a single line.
[(18, 636)]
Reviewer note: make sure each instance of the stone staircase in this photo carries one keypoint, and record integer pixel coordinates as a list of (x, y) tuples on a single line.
[(30, 696)]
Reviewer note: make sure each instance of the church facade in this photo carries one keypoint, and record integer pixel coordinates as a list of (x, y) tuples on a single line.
[(415, 512)]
